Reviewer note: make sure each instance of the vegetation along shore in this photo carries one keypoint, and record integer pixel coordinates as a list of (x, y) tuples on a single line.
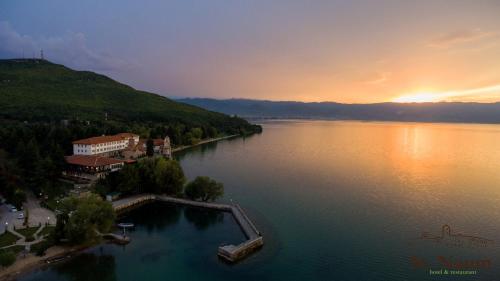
[(44, 108)]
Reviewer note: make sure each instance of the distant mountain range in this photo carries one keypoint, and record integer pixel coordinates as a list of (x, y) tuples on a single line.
[(418, 112)]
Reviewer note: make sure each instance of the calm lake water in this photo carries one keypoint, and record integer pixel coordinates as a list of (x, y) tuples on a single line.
[(334, 200)]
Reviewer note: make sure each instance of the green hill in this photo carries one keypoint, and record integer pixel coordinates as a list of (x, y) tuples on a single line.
[(38, 90)]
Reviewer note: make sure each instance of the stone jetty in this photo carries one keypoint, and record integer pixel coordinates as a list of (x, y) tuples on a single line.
[(230, 253)]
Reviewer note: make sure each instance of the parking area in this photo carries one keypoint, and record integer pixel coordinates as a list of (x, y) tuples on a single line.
[(6, 216), (37, 215)]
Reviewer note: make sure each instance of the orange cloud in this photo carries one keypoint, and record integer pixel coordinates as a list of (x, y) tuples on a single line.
[(458, 37), (381, 78)]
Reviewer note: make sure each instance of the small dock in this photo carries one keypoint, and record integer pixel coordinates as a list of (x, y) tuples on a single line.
[(116, 238), (119, 239), (230, 253)]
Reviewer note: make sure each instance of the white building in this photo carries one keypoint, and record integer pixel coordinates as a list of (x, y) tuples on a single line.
[(104, 145)]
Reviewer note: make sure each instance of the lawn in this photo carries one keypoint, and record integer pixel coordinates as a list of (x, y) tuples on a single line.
[(46, 230), (40, 248), (28, 232), (15, 249), (7, 239)]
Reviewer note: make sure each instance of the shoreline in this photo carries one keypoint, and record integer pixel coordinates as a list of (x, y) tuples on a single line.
[(184, 147), (32, 262), (268, 119)]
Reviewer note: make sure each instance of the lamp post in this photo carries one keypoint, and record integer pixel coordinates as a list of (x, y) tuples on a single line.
[(48, 220), (6, 226)]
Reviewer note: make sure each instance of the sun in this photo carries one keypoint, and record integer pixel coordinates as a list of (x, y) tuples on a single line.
[(418, 97)]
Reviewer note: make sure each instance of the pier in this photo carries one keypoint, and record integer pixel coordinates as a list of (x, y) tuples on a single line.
[(203, 142), (230, 253), (118, 239)]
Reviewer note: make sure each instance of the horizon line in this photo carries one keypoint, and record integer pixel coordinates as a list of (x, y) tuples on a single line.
[(345, 103)]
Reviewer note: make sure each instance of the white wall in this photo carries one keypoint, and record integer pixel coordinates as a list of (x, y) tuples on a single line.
[(80, 149), (87, 149)]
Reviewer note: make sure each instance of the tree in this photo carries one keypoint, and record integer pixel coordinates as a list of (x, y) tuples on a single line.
[(26, 217), (82, 218), (197, 133), (28, 160), (18, 198), (129, 179), (7, 258), (150, 151), (169, 177), (46, 173), (204, 188), (155, 174), (212, 132), (174, 133)]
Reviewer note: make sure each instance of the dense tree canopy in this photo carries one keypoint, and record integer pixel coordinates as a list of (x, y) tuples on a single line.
[(150, 147), (155, 175), (204, 188), (10, 181), (32, 154), (45, 106), (81, 218), (7, 257), (38, 90)]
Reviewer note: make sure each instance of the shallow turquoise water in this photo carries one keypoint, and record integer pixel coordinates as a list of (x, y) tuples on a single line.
[(335, 201)]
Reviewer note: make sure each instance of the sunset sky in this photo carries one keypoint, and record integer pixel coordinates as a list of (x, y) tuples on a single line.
[(344, 51)]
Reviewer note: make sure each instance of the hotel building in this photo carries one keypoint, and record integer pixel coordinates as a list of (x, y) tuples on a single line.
[(104, 145)]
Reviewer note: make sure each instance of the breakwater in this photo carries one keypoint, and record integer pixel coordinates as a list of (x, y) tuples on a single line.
[(230, 253), (180, 148)]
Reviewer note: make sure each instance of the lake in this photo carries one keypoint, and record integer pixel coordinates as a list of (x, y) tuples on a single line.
[(335, 200)]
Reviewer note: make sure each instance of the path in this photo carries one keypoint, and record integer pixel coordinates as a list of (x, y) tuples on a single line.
[(22, 240)]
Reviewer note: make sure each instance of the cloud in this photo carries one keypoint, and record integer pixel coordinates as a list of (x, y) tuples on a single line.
[(381, 78), (482, 93), (458, 37), (485, 94), (70, 49)]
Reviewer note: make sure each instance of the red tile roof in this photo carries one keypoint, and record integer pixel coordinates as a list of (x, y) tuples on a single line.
[(158, 142), (104, 139), (91, 160), (127, 135), (101, 139)]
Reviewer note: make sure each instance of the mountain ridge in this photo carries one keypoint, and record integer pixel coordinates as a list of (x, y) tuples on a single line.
[(463, 112), (39, 90)]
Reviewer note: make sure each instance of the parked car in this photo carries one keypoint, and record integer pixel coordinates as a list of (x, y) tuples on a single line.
[(20, 216)]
